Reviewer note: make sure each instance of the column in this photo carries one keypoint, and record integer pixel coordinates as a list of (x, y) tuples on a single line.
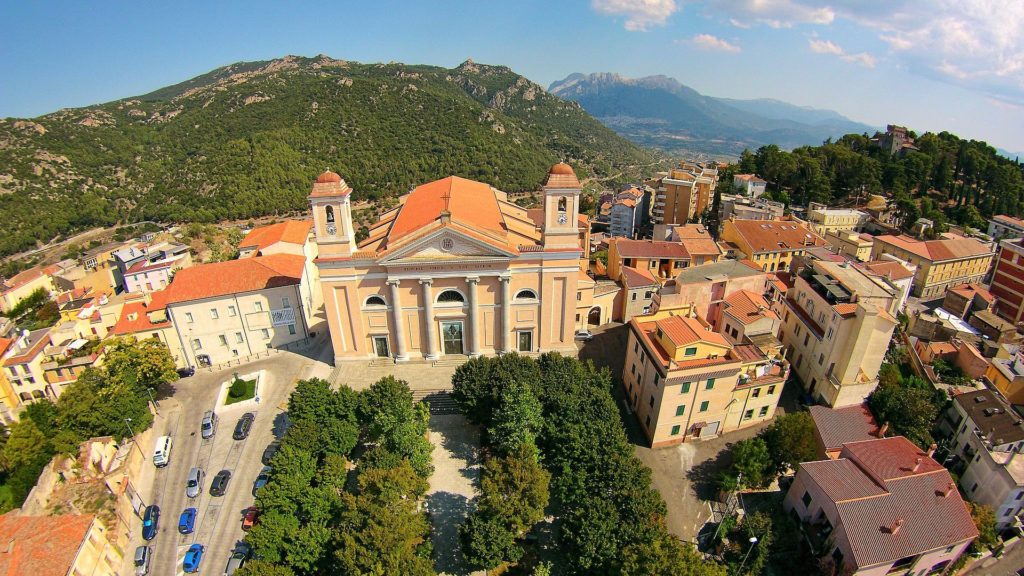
[(506, 313), (397, 329), (428, 319), (474, 317)]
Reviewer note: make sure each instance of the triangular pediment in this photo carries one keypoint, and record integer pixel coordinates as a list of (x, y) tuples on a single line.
[(445, 244)]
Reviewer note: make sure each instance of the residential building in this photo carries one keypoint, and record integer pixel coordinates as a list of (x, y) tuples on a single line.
[(966, 299), (684, 381), (743, 208), (21, 286), (629, 212), (898, 275), (1007, 376), (598, 301), (882, 507), (638, 290), (851, 243), (8, 397), (834, 427), (1008, 280), (940, 263), (123, 259), (147, 318), (1003, 227), (663, 259), (747, 314), (288, 237), (59, 545), (23, 366), (992, 327), (988, 437), (749, 185), (823, 220), (955, 352), (454, 269), (771, 245), (702, 290), (226, 310), (684, 193), (837, 323), (144, 276)]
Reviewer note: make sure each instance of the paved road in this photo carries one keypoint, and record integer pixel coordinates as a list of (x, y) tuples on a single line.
[(218, 525), (1007, 565)]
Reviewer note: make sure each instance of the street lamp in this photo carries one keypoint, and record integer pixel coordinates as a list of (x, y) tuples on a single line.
[(127, 423), (156, 406), (753, 542)]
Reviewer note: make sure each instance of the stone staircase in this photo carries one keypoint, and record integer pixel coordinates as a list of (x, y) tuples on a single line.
[(440, 401), (451, 360)]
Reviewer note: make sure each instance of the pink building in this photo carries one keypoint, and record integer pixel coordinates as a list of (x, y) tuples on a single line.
[(883, 507)]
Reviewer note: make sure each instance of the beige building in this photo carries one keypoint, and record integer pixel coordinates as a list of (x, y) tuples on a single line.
[(703, 290), (684, 381), (851, 243), (21, 286), (837, 323), (940, 263), (823, 220), (147, 318), (62, 545), (772, 245), (229, 310), (638, 290), (455, 269), (745, 316), (23, 366), (684, 193)]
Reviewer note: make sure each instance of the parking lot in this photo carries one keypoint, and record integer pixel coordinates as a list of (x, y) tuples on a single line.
[(218, 523)]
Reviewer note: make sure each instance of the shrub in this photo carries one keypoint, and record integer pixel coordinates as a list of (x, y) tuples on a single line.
[(237, 389)]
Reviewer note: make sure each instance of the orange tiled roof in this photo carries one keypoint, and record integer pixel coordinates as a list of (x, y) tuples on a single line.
[(748, 306), (845, 309), (40, 339), (467, 201), (289, 231), (969, 290), (22, 278), (889, 269), (937, 250), (41, 545), (774, 236), (5, 344), (682, 331), (627, 248), (234, 276), (837, 426), (562, 175), (135, 316), (637, 277)]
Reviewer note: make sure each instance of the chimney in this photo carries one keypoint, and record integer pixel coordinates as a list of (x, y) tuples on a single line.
[(931, 449), (894, 528), (949, 489), (917, 464), (883, 430)]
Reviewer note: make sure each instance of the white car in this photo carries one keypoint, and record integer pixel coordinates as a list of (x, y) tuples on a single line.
[(584, 335)]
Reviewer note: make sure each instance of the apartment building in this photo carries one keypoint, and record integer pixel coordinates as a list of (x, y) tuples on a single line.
[(988, 437), (883, 506), (59, 545), (834, 427), (21, 286), (8, 397), (703, 290), (238, 308), (684, 193), (638, 290), (1008, 280), (663, 259), (1007, 376), (771, 245), (966, 299), (743, 208), (684, 381), (940, 263), (1005, 227), (147, 318), (851, 243), (897, 274), (837, 323), (23, 365), (824, 220), (749, 185), (288, 237), (628, 212), (746, 315)]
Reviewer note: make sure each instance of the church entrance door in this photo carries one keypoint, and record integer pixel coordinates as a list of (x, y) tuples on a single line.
[(451, 332)]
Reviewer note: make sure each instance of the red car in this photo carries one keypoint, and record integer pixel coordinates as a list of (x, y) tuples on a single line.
[(251, 515)]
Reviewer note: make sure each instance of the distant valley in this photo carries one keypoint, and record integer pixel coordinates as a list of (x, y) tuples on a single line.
[(660, 112)]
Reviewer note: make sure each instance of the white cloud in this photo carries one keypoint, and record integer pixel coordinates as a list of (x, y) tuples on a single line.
[(712, 43), (774, 13), (640, 15), (828, 47)]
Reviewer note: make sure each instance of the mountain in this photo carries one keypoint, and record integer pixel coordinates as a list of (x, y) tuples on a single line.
[(659, 111), (248, 139)]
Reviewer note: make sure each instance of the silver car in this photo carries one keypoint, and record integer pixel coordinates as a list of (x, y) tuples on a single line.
[(143, 556), (194, 485), (238, 557), (209, 425)]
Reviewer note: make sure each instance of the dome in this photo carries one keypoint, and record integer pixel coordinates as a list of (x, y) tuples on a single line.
[(562, 168), (328, 177)]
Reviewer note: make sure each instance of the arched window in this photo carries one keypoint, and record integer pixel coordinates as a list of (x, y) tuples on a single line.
[(450, 297), (375, 301), (561, 204), (526, 294), (330, 214)]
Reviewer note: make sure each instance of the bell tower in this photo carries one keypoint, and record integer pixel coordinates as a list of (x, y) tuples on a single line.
[(332, 216), (561, 208)]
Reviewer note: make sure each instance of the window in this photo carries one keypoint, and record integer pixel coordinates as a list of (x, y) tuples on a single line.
[(375, 301), (526, 294), (829, 335), (647, 423), (1019, 496), (734, 333), (680, 410), (771, 390), (648, 294), (821, 359), (330, 214), (265, 333), (188, 317), (450, 297), (291, 329), (807, 338), (657, 378), (632, 296), (232, 311), (762, 412), (285, 303), (579, 296), (806, 499), (975, 487), (748, 414), (223, 340), (258, 305), (691, 351), (196, 344), (636, 347), (652, 402), (757, 393), (675, 430), (238, 338), (685, 389), (704, 406), (710, 385), (214, 314), (632, 370), (1007, 512)]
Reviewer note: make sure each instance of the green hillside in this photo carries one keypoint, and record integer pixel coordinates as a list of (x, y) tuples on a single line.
[(247, 140)]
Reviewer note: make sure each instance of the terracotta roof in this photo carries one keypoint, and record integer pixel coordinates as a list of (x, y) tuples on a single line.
[(562, 175), (749, 178), (773, 236), (234, 276), (748, 353), (289, 231), (328, 177), (329, 184), (135, 316), (144, 266), (37, 341), (969, 290), (937, 250), (5, 344), (841, 480), (637, 277), (838, 426), (468, 202), (748, 307), (682, 331), (1009, 220), (888, 268), (627, 248), (845, 309), (22, 278), (41, 545)]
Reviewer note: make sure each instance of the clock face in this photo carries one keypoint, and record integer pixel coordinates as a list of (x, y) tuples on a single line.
[(331, 229), (562, 219)]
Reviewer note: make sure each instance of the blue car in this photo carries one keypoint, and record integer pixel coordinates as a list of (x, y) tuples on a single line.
[(193, 556), (150, 518), (187, 521)]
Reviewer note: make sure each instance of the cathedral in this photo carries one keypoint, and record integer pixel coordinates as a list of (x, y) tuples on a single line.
[(455, 269)]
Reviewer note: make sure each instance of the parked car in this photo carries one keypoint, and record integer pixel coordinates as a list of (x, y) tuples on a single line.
[(238, 557), (261, 480), (268, 454), (252, 515), (584, 335), (187, 521), (193, 556), (194, 484), (186, 372), (143, 557), (243, 426), (209, 426), (150, 520), (220, 483)]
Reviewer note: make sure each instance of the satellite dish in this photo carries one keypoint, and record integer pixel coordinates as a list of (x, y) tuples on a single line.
[(25, 333)]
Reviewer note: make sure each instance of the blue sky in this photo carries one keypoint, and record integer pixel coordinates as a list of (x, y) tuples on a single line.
[(935, 65)]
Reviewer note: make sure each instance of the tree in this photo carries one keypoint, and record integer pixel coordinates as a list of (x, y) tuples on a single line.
[(93, 406), (791, 440), (516, 420), (757, 525), (985, 520), (135, 365), (665, 555), (910, 410), (752, 460), (515, 489), (258, 567), (488, 542), (26, 446)]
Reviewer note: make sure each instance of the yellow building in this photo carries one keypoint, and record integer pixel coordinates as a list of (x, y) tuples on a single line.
[(684, 193), (684, 381), (1007, 376), (851, 243), (23, 364), (824, 221), (941, 264), (661, 258), (147, 318), (21, 285), (8, 397), (771, 244)]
